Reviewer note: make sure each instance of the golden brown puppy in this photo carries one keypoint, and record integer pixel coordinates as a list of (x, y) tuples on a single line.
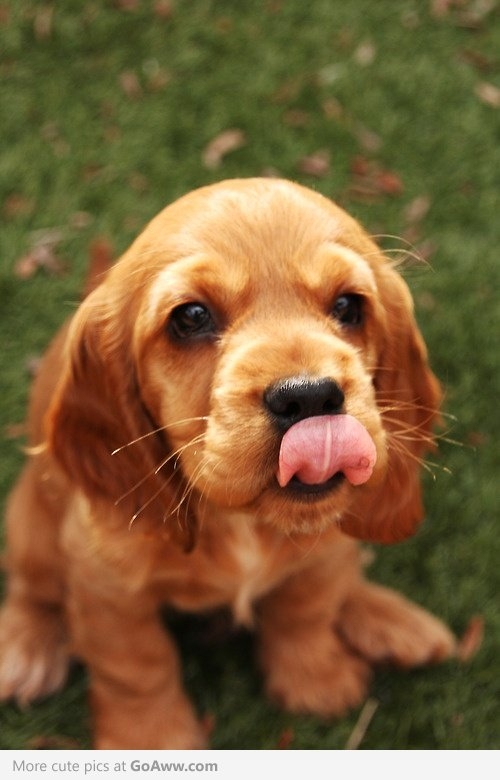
[(244, 393)]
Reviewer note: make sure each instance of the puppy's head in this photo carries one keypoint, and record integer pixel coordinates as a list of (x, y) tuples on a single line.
[(253, 349)]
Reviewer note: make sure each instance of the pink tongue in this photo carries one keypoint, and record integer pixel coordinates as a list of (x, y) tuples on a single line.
[(315, 449)]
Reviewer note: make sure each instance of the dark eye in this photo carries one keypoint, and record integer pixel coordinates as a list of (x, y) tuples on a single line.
[(191, 320), (348, 309)]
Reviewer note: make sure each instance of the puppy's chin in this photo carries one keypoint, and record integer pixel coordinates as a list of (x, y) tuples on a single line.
[(297, 508), (304, 509)]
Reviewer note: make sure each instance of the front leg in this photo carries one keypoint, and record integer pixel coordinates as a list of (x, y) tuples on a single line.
[(307, 666), (136, 692)]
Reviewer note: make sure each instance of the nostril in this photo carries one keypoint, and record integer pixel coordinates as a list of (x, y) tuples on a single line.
[(295, 398)]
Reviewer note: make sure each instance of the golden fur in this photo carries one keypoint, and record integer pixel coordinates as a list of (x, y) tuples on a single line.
[(154, 475)]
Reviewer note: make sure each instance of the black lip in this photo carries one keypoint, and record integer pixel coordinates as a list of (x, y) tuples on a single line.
[(299, 490)]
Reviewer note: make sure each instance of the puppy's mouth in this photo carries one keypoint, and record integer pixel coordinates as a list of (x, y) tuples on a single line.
[(302, 491), (319, 453)]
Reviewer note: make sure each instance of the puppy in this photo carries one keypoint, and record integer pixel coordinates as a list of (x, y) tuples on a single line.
[(244, 394)]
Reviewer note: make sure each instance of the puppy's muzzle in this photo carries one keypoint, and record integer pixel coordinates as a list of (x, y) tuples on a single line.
[(321, 444)]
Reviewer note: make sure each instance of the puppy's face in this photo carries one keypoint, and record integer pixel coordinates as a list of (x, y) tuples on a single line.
[(266, 301), (246, 308)]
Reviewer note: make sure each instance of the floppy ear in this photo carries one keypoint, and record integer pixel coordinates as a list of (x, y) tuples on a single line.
[(408, 395), (101, 433)]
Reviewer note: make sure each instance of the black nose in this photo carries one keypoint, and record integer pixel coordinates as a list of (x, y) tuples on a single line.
[(293, 399)]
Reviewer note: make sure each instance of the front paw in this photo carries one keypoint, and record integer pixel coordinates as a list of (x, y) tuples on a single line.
[(300, 682), (34, 656), (384, 627)]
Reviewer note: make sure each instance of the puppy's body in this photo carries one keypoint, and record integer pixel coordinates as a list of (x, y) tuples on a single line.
[(166, 416)]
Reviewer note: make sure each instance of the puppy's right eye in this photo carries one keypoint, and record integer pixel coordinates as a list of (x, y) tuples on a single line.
[(191, 321)]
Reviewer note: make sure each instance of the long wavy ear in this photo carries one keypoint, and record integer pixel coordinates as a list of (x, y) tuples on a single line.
[(100, 432), (408, 395)]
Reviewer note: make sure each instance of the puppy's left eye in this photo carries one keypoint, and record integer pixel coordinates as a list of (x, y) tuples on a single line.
[(348, 309), (191, 320)]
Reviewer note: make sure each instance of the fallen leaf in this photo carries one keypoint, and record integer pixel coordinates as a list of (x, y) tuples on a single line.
[(15, 430), (54, 742), (317, 164), (43, 22), (18, 205), (285, 739), (426, 301), (488, 93), (332, 108), (32, 365), (425, 250), (371, 181), (287, 91), (441, 8), (365, 53), (208, 723), (127, 5), (471, 640), (138, 182), (389, 182), (360, 166), (477, 438), (417, 209), (478, 60), (296, 118), (101, 257), (130, 84), (224, 143), (163, 9), (271, 173), (368, 139), (4, 15), (80, 220), (42, 255)]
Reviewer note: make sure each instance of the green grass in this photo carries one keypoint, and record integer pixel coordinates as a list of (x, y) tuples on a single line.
[(81, 153)]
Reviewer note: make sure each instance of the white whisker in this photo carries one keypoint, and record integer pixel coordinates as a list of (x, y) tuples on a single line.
[(158, 430)]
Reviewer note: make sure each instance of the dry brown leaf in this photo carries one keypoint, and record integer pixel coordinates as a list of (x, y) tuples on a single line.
[(296, 118), (488, 93), (163, 9), (18, 205), (208, 723), (53, 742), (4, 15), (285, 739), (365, 53), (224, 143), (417, 209), (42, 255), (370, 181), (332, 108), (441, 8), (317, 164), (80, 220), (389, 183), (368, 139), (32, 365), (477, 438), (130, 84), (471, 640), (101, 257), (360, 166), (425, 250), (479, 61), (15, 430), (43, 22), (127, 5)]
